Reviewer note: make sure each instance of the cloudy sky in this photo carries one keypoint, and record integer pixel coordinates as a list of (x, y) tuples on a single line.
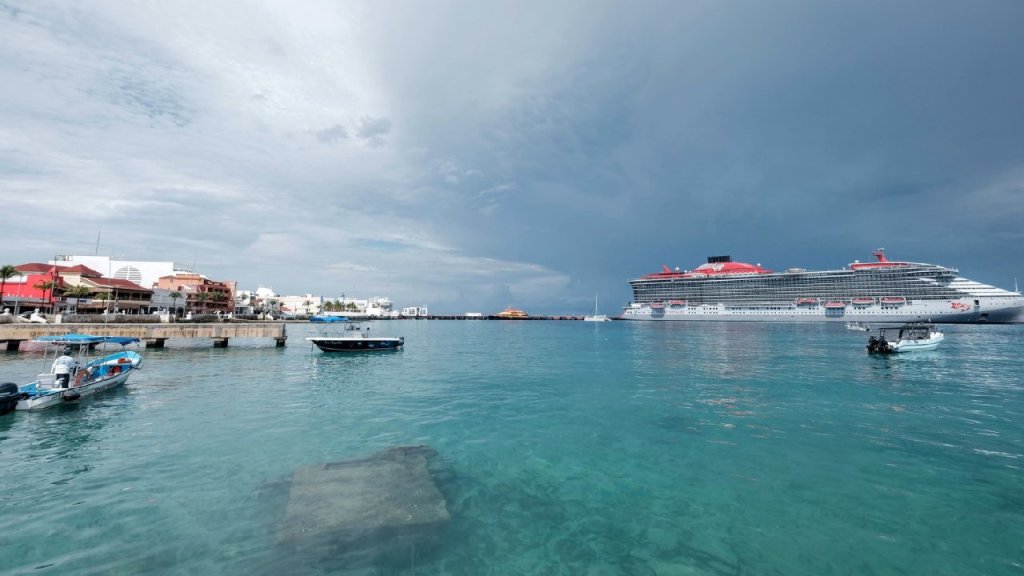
[(470, 155)]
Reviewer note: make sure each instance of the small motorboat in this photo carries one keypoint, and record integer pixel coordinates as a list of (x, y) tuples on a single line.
[(912, 337), (858, 326), (88, 375), (355, 337)]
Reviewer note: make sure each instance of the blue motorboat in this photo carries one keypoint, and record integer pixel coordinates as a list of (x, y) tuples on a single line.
[(86, 375)]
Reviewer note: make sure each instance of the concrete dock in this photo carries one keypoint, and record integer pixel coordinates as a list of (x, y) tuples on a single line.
[(154, 335)]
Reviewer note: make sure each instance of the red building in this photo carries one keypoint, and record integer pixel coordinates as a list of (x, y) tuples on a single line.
[(33, 287), (44, 286)]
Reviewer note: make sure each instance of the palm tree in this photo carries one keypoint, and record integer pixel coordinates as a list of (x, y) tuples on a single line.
[(76, 292), (201, 298), (106, 297), (174, 300), (219, 297), (47, 287), (6, 271)]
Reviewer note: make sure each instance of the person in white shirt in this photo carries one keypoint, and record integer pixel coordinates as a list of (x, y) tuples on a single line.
[(63, 367)]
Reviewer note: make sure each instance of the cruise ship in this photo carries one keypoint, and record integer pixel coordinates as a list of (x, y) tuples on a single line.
[(880, 291)]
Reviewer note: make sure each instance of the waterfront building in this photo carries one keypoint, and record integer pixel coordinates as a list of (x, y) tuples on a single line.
[(201, 293), (142, 272), (258, 301), (45, 285), (306, 304), (375, 307)]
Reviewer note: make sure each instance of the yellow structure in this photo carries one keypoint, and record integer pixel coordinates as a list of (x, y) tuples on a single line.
[(512, 313)]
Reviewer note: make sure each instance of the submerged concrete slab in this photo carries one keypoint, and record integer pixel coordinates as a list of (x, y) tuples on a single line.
[(385, 507)]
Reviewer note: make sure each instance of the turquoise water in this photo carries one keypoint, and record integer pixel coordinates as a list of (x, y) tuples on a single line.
[(570, 448)]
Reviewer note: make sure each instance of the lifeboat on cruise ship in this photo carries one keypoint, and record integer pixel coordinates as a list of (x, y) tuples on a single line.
[(806, 301), (677, 303), (835, 305), (657, 306), (894, 300), (863, 301)]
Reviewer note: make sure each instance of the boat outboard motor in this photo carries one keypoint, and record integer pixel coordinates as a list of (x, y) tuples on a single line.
[(9, 397), (883, 345)]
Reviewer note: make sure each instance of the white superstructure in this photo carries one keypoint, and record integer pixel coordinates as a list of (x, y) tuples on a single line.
[(881, 291), (141, 272)]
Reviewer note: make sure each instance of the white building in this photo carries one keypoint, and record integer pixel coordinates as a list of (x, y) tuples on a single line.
[(306, 304), (414, 311), (376, 307), (143, 273)]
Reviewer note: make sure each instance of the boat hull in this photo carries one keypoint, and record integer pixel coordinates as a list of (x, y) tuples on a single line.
[(911, 339), (357, 344), (919, 346), (52, 397), (961, 311)]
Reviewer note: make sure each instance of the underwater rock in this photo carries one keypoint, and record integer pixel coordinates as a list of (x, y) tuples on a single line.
[(385, 508)]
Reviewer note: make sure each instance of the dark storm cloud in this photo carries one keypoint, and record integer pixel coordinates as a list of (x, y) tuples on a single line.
[(795, 133), (482, 154)]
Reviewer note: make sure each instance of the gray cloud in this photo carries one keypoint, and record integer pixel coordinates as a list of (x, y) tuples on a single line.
[(332, 134), (373, 130), (481, 155)]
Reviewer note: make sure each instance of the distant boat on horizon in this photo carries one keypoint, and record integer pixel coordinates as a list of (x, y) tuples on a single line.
[(595, 317), (512, 313)]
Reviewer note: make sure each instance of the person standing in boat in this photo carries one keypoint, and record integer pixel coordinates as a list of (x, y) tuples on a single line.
[(63, 367)]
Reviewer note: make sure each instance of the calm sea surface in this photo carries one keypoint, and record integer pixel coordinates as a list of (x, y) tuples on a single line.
[(570, 448)]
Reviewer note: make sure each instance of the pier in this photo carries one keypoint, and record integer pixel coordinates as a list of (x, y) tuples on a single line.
[(154, 335)]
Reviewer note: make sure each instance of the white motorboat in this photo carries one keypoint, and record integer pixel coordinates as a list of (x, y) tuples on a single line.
[(907, 338), (88, 376), (858, 327), (354, 337)]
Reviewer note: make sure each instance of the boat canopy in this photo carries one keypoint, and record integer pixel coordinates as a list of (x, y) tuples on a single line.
[(328, 319), (85, 339)]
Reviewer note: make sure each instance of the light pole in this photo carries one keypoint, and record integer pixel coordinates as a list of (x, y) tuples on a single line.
[(17, 298)]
